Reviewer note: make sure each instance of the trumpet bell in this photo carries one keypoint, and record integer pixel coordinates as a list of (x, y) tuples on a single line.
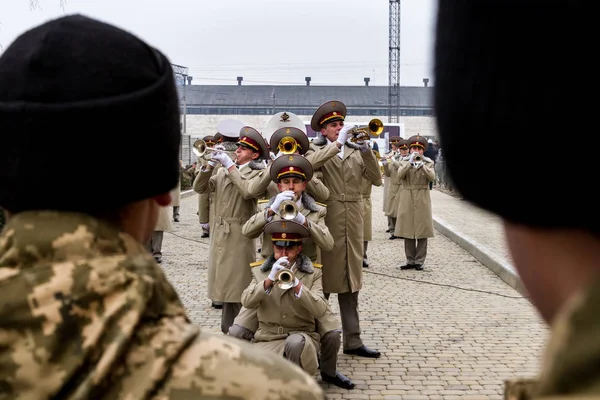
[(285, 279), (373, 128), (199, 147), (288, 210), (288, 145), (417, 158)]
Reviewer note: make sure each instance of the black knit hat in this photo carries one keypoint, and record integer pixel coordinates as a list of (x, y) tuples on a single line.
[(499, 76), (89, 119)]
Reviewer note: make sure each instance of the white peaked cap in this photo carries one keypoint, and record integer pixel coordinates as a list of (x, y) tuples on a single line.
[(283, 119), (230, 127)]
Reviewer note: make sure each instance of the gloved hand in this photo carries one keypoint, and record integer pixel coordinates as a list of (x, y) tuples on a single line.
[(300, 218), (343, 136), (418, 165), (223, 159), (411, 157), (363, 145), (212, 163), (384, 162), (281, 197), (280, 264), (296, 282)]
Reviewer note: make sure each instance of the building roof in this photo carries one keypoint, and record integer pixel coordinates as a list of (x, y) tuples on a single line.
[(304, 96)]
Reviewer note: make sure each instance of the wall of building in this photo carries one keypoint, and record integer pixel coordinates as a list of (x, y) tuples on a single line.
[(202, 125)]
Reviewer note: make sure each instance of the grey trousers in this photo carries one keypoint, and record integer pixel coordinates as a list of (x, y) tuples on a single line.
[(415, 250), (228, 314), (392, 224), (350, 322), (294, 344), (154, 245), (330, 346)]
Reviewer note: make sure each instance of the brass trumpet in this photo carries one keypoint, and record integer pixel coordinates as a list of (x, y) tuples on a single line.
[(417, 158), (285, 279), (374, 127), (200, 149), (288, 145), (288, 210)]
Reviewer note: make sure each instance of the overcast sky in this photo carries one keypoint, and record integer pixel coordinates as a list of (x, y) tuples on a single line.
[(336, 42)]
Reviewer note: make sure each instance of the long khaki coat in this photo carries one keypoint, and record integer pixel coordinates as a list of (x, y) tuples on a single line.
[(163, 223), (176, 195), (367, 188), (280, 314), (320, 237), (229, 250), (395, 184), (387, 182), (414, 219), (342, 272), (205, 200)]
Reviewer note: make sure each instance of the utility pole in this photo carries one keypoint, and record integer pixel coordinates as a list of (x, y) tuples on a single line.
[(394, 63), (181, 76)]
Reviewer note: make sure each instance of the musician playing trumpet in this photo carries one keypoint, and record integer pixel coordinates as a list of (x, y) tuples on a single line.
[(291, 173), (414, 220), (288, 314)]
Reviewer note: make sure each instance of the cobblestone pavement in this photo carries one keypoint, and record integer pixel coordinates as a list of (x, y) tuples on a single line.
[(452, 331), (451, 212)]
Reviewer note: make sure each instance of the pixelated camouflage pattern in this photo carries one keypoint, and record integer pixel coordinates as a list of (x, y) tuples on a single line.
[(87, 314), (571, 364)]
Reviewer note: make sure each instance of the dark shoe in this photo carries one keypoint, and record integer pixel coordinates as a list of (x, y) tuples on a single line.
[(387, 231), (339, 380), (394, 237), (216, 305), (365, 263), (363, 351), (176, 218), (158, 259), (408, 266), (204, 235), (419, 267)]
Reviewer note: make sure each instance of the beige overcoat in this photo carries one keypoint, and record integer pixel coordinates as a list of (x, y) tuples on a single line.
[(395, 184), (367, 188), (206, 199), (229, 250), (163, 223), (387, 182), (176, 195), (414, 219), (320, 237), (281, 314), (343, 177)]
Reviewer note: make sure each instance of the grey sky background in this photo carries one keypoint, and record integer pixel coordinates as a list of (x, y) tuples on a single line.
[(336, 42)]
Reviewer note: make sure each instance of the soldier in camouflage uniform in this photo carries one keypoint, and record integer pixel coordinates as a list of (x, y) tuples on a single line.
[(86, 311), (553, 234)]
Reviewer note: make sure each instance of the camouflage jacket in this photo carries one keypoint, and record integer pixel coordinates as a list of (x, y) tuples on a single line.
[(87, 314), (571, 364)]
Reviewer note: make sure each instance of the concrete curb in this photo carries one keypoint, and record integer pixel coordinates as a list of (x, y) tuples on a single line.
[(504, 271)]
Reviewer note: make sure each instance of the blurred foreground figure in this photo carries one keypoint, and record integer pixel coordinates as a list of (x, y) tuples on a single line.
[(498, 75), (87, 313)]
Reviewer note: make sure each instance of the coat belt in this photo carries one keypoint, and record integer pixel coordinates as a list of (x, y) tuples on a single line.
[(226, 221), (345, 197), (415, 187)]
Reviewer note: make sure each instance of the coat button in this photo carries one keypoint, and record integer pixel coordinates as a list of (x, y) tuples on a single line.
[(283, 316)]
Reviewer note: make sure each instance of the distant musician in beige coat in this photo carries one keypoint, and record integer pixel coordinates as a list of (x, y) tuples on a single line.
[(234, 205), (390, 169), (287, 316), (414, 220), (163, 223), (342, 174)]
